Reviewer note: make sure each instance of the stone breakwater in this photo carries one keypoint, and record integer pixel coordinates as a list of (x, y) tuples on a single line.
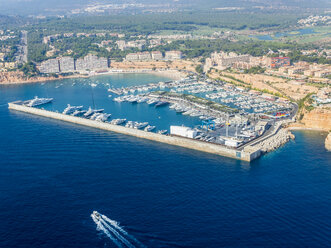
[(246, 155), (328, 142), (275, 141)]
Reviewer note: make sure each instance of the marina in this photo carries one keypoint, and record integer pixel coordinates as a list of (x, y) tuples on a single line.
[(230, 130), (134, 130)]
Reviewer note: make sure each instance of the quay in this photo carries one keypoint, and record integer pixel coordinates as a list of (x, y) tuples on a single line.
[(248, 154)]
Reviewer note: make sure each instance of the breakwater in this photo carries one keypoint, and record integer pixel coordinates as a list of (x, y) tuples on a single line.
[(245, 155)]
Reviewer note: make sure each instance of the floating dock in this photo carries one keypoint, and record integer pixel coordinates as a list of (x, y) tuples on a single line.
[(248, 154)]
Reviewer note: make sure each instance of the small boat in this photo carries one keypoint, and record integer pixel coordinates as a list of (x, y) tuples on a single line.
[(162, 131), (96, 215), (149, 128)]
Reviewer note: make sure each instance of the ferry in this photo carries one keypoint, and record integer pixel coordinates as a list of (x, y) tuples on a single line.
[(38, 101)]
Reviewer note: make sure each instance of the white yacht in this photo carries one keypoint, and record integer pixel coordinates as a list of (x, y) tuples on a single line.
[(141, 125), (78, 112), (70, 109), (38, 101), (91, 111), (102, 117), (118, 121)]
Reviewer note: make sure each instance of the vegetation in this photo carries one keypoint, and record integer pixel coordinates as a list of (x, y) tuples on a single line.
[(29, 69), (296, 55), (36, 49), (199, 69), (255, 70)]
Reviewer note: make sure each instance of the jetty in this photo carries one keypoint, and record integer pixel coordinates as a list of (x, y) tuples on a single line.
[(248, 154)]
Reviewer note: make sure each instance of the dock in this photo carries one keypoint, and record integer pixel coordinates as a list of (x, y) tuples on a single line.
[(247, 155)]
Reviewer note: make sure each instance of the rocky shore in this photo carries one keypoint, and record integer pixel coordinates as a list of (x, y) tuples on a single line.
[(275, 141), (328, 142)]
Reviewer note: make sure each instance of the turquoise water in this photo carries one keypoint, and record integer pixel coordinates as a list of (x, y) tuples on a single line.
[(54, 174), (304, 31)]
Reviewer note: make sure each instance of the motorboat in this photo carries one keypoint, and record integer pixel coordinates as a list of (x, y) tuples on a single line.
[(38, 101)]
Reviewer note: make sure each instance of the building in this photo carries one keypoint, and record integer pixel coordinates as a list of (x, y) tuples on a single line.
[(277, 62), (132, 57), (224, 60), (144, 56), (91, 62), (323, 73), (67, 64), (173, 55), (183, 131), (50, 66), (121, 44), (157, 55), (295, 70)]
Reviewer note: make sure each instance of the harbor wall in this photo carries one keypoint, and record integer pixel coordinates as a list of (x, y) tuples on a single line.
[(172, 140)]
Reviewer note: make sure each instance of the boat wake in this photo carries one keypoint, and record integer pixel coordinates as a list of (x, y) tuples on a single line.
[(114, 231)]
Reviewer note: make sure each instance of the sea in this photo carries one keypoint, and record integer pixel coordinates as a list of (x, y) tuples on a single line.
[(53, 175)]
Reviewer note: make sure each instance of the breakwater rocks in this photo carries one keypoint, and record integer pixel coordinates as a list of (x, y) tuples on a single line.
[(328, 142), (275, 141)]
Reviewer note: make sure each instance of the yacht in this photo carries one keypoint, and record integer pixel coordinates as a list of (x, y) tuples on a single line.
[(118, 121), (91, 111), (70, 109), (38, 101), (78, 112), (102, 117), (141, 125), (161, 103), (152, 101)]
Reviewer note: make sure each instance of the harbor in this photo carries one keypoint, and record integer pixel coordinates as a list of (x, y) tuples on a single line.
[(179, 113), (171, 140)]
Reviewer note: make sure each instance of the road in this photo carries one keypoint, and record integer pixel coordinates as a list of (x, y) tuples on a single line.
[(22, 53)]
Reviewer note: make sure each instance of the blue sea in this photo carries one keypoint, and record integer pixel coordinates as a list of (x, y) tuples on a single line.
[(53, 175)]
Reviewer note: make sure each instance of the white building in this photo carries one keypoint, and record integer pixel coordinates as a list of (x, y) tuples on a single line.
[(183, 131), (67, 64), (157, 55), (173, 55)]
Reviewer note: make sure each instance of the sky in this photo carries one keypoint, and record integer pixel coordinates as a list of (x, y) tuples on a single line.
[(26, 7)]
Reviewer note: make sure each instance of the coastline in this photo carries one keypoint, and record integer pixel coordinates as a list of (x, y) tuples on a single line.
[(172, 74)]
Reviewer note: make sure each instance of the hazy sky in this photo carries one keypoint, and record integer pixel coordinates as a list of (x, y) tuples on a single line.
[(23, 7)]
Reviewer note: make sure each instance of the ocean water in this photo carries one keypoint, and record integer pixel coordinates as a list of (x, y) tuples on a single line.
[(54, 174)]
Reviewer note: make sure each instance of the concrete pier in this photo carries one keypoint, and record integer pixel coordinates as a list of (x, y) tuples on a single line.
[(245, 155)]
